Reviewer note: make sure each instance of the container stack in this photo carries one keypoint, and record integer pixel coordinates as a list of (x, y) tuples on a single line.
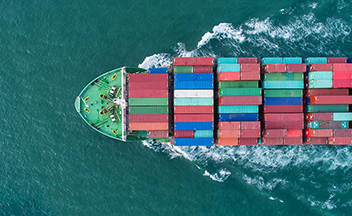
[(148, 104), (327, 101), (193, 101), (283, 84), (239, 100)]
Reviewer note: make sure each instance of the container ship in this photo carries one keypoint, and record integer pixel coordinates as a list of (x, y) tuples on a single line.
[(203, 101)]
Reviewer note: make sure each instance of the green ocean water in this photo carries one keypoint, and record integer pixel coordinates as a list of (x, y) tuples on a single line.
[(52, 163)]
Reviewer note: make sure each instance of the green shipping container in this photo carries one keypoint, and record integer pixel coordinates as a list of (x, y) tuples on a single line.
[(148, 101), (328, 124), (240, 92), (193, 101), (183, 69), (238, 109), (203, 134), (149, 110), (327, 108), (342, 116), (283, 76), (238, 84), (283, 93)]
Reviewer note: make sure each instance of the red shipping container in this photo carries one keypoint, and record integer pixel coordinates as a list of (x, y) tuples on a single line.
[(294, 133), (283, 108), (271, 133), (293, 141), (229, 133), (250, 67), (183, 133), (341, 75), (193, 109), (246, 60), (319, 132), (335, 99), (229, 76), (284, 125), (342, 83), (284, 117), (194, 117), (247, 141), (240, 100), (342, 67), (148, 93), (229, 125), (342, 132), (340, 140), (274, 68), (320, 67), (147, 77), (203, 69), (158, 134), (337, 59), (272, 141), (325, 92), (192, 61), (148, 126), (148, 117), (250, 75), (227, 141), (156, 85), (317, 141), (299, 68), (250, 125), (319, 116), (250, 133)]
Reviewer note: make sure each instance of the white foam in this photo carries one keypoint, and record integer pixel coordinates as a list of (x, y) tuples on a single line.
[(219, 176), (156, 60)]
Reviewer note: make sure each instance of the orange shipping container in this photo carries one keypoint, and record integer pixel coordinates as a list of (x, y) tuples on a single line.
[(227, 142), (148, 126), (229, 125)]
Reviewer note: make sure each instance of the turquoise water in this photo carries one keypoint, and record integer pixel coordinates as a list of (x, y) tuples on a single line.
[(52, 163)]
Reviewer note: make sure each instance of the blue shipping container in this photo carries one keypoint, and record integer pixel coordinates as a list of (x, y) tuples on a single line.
[(193, 77), (227, 61), (203, 134), (271, 60), (292, 60), (157, 70), (316, 60), (229, 68), (320, 84), (283, 101), (238, 109), (194, 126), (239, 117), (193, 85), (193, 141), (328, 124), (320, 75), (283, 84)]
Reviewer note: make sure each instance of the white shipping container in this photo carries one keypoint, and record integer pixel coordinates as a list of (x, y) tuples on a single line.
[(193, 93)]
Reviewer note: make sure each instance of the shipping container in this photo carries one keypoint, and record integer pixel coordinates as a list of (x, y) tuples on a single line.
[(325, 92), (148, 101), (342, 67), (183, 69), (227, 141), (337, 60), (320, 75), (292, 60), (225, 76), (148, 93), (193, 141), (319, 117), (271, 60), (334, 99), (283, 93), (282, 133), (193, 85), (193, 93), (250, 67), (297, 68), (203, 134), (227, 61), (317, 141), (272, 141), (193, 109), (319, 132), (193, 77), (194, 125), (148, 118), (229, 68), (283, 84), (240, 100), (340, 140), (193, 61), (230, 126), (327, 108), (250, 125), (158, 134), (224, 134), (157, 70), (342, 75), (250, 133), (320, 84), (342, 83), (247, 141), (283, 76), (203, 69), (250, 76), (283, 108), (284, 125), (239, 117), (342, 116), (193, 101), (342, 132), (238, 84), (148, 78), (148, 110), (148, 126), (240, 92), (283, 101), (238, 109), (327, 124), (279, 117), (316, 60), (320, 67), (193, 117), (246, 60), (184, 133), (293, 140), (274, 68), (155, 85)]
